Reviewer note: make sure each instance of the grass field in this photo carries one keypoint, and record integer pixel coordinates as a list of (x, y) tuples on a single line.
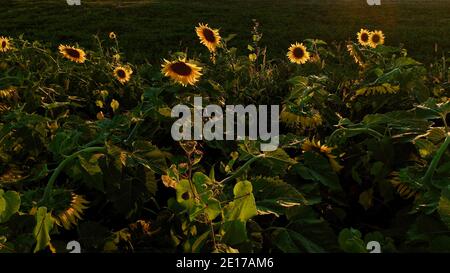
[(149, 29)]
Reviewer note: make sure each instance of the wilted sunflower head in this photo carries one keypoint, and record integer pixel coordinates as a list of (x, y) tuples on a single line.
[(363, 37), (315, 146), (182, 71), (300, 120), (72, 53), (123, 73), (376, 38), (208, 36), (298, 54), (5, 44), (69, 208)]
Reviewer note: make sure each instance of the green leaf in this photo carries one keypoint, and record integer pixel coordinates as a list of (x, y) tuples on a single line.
[(350, 241), (41, 232), (444, 208), (273, 194), (9, 204), (290, 241), (238, 212), (317, 168)]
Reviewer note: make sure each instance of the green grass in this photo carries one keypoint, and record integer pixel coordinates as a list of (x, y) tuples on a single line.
[(150, 29)]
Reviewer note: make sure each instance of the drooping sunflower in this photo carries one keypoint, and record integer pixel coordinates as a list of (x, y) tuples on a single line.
[(355, 54), (298, 54), (72, 53), (123, 74), (5, 44), (376, 38), (182, 71), (8, 93), (300, 120), (68, 214), (208, 36), (363, 37), (315, 146)]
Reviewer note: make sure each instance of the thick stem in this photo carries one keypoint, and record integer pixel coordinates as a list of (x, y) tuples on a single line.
[(242, 168), (63, 164), (431, 169)]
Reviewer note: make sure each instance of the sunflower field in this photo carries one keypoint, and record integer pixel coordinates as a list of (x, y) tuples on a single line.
[(86, 151)]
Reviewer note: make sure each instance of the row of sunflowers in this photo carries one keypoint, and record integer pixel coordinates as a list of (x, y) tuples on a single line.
[(86, 151)]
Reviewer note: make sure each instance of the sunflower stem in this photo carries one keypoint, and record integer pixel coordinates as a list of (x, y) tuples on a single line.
[(431, 169), (62, 165)]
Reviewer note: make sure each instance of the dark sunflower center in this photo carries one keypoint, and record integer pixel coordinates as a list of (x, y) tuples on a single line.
[(181, 68), (3, 44), (298, 52), (121, 73), (364, 37), (376, 38), (73, 53), (209, 35)]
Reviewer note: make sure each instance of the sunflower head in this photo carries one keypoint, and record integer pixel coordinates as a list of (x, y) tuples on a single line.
[(72, 53), (208, 36), (363, 37), (300, 120), (298, 54), (376, 38), (182, 71), (69, 208), (112, 36), (315, 146), (123, 73), (5, 44)]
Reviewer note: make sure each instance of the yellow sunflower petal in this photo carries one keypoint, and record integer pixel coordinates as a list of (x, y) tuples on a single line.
[(182, 71)]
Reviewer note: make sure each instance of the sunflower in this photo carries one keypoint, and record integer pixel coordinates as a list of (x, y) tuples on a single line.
[(315, 146), (72, 53), (5, 44), (112, 36), (71, 213), (304, 121), (123, 73), (376, 38), (208, 36), (363, 37), (8, 93), (182, 71), (355, 54), (298, 54), (403, 189)]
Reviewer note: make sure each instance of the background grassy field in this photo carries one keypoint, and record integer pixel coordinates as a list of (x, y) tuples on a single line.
[(150, 29)]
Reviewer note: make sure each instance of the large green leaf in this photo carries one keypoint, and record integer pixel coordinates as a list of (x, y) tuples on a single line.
[(290, 241), (44, 225), (9, 204), (318, 168), (350, 241), (273, 194), (238, 212)]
